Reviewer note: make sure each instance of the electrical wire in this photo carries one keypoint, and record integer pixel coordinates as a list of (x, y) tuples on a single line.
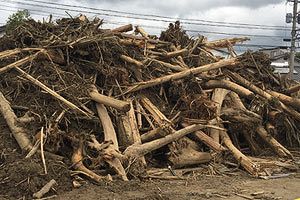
[(137, 17), (156, 16)]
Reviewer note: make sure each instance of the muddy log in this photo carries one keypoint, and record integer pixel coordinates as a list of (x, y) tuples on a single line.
[(293, 89)]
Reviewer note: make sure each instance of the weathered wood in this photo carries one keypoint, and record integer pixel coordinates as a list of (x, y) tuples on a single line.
[(108, 101), (218, 97), (18, 63), (277, 147), (286, 99), (18, 131), (140, 30), (175, 53), (138, 150), (183, 74), (293, 89), (226, 84), (124, 28), (246, 162), (208, 141), (223, 43), (132, 61), (110, 135)]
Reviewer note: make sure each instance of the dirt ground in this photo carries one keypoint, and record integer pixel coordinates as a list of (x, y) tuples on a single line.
[(231, 188), (19, 178)]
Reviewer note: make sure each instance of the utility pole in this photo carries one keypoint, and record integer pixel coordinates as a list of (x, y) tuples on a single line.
[(293, 41)]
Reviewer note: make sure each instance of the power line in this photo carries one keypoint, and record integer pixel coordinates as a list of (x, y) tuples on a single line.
[(140, 18), (156, 16), (36, 12)]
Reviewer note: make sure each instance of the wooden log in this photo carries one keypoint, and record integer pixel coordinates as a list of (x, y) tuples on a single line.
[(293, 89), (132, 61), (153, 135), (286, 99), (218, 97), (176, 53), (77, 160), (19, 132), (208, 141), (138, 150), (135, 37), (108, 101), (226, 84), (125, 28), (246, 162), (169, 65), (188, 157), (183, 74), (277, 147), (264, 94), (110, 135), (223, 43), (162, 120), (140, 30)]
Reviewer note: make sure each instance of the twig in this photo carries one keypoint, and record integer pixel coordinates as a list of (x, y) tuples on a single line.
[(44, 189), (42, 151)]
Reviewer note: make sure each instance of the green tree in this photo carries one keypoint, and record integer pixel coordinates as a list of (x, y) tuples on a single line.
[(16, 20)]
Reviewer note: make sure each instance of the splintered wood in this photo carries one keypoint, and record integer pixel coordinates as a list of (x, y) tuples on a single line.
[(119, 103)]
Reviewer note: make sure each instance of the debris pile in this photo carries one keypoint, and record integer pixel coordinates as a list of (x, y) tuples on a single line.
[(114, 104)]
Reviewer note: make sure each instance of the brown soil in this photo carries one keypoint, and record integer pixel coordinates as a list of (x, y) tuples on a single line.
[(20, 178), (207, 188)]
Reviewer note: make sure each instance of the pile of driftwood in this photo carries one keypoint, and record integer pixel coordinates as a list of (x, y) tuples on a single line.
[(113, 100)]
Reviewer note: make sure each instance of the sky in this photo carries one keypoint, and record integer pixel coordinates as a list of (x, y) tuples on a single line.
[(213, 19)]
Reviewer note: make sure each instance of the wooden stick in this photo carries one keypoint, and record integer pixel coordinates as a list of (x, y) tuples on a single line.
[(124, 28), (108, 101), (286, 99), (8, 53), (223, 43), (51, 92), (18, 63), (11, 119), (132, 61), (208, 141), (278, 148), (142, 32), (110, 135), (77, 159), (226, 84), (218, 97), (44, 190), (246, 162), (136, 150), (176, 53), (293, 89), (264, 94), (183, 74)]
